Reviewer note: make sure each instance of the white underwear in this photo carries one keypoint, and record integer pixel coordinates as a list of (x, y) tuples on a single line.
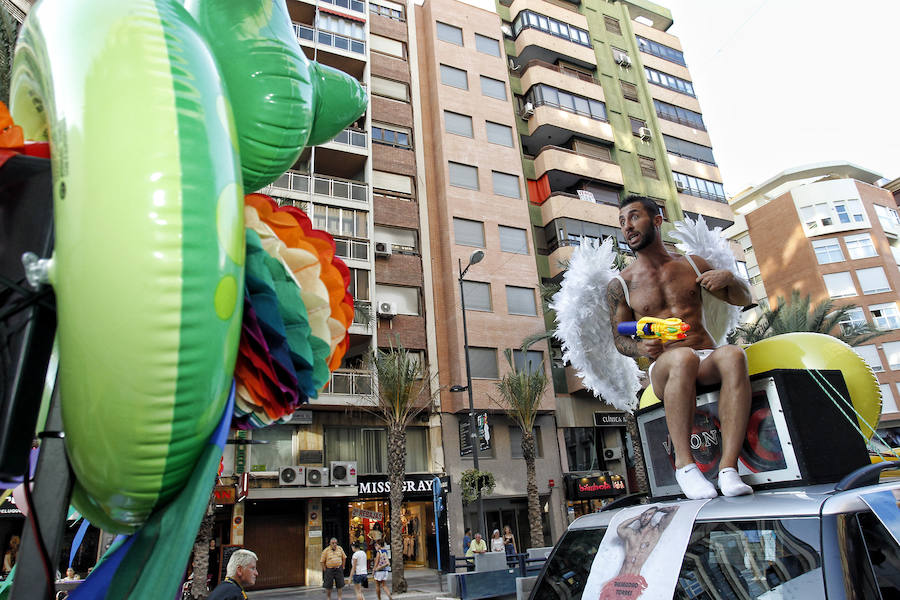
[(701, 354)]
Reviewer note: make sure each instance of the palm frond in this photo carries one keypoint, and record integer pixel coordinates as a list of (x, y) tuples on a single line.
[(402, 389), (521, 392)]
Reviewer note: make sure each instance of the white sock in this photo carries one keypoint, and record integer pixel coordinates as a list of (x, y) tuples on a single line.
[(694, 485), (730, 483)]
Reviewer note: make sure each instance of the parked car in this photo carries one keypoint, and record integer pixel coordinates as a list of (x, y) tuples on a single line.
[(812, 542)]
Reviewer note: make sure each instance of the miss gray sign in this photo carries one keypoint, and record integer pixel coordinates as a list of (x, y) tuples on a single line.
[(378, 485)]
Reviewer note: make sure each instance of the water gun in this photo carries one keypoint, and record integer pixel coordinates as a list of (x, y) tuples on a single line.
[(668, 330)]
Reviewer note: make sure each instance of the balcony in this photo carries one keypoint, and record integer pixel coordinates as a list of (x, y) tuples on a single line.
[(534, 44), (345, 387), (354, 5), (575, 82), (349, 140), (555, 126), (565, 168), (363, 318), (330, 187), (305, 33), (564, 14)]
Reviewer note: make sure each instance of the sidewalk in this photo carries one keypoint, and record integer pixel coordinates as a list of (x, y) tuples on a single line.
[(423, 584)]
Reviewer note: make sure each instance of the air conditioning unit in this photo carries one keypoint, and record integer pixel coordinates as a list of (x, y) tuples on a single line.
[(513, 66), (527, 110), (387, 309), (292, 476), (316, 476), (612, 453), (644, 133), (679, 186), (623, 60), (506, 30), (383, 249), (343, 472)]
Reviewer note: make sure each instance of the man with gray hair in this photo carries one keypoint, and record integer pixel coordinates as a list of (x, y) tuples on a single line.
[(240, 573)]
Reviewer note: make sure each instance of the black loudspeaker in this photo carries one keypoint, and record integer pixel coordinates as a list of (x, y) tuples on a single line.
[(796, 435), (27, 318)]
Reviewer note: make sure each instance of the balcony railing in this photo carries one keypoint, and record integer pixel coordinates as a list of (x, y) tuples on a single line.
[(354, 5), (576, 153), (702, 194), (349, 383), (679, 120), (342, 189), (335, 40), (570, 72), (351, 137), (362, 313)]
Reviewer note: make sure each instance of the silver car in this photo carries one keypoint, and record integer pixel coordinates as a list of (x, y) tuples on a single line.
[(804, 542)]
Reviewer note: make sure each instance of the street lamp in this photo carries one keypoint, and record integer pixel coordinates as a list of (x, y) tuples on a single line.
[(476, 257)]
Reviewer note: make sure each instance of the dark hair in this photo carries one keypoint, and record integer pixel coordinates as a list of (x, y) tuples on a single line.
[(354, 545), (379, 543), (468, 530), (649, 204)]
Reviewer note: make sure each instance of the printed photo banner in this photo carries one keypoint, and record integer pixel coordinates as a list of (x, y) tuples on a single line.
[(640, 555)]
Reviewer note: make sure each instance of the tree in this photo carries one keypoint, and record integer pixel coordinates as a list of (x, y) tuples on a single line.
[(9, 31), (800, 315), (521, 391), (402, 391), (201, 551)]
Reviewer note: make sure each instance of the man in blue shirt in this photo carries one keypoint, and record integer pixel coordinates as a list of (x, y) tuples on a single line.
[(241, 573)]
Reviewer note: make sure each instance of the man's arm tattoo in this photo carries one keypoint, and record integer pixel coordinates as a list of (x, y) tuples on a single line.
[(615, 295)]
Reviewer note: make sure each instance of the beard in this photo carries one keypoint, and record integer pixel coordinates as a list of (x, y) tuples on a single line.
[(647, 238)]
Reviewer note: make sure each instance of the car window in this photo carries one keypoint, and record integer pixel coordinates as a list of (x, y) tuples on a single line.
[(884, 555), (752, 559), (568, 567)]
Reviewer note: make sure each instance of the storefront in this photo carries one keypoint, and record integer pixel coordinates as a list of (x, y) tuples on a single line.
[(587, 494), (367, 519)]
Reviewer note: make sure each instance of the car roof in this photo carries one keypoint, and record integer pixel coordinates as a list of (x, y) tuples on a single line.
[(806, 501)]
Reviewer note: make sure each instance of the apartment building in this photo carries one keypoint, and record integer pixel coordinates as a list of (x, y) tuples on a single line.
[(828, 230)]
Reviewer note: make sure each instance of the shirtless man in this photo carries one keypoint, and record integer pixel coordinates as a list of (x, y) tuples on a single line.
[(660, 284), (641, 539)]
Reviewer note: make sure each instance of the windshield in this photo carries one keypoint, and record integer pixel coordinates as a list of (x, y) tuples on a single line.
[(568, 567), (752, 559)]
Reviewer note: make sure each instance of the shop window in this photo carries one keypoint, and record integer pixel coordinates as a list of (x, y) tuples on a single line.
[(370, 521), (515, 442)]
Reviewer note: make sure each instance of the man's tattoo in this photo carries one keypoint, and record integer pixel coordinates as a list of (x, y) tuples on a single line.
[(615, 296)]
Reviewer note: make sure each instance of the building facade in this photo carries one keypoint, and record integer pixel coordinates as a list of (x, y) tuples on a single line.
[(828, 230)]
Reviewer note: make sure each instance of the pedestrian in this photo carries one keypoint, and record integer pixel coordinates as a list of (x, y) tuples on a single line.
[(467, 539), (333, 559), (359, 573), (240, 573), (496, 541), (381, 567), (509, 540)]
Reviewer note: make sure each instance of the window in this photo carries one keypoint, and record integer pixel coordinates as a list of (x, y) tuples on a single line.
[(870, 354), (888, 217), (527, 19), (483, 363), (387, 46), (892, 352), (458, 124), (860, 246), (449, 33), (828, 251), (839, 285), (753, 275), (885, 316), (686, 149), (612, 25), (417, 450), (648, 167), (278, 452), (544, 95), (463, 176), (392, 182), (629, 90), (888, 404), (406, 298), (505, 184), (391, 136), (515, 442), (387, 9), (873, 281), (676, 114), (843, 213), (468, 233), (520, 301), (668, 81), (487, 45), (581, 448), (637, 125), (454, 77), (402, 240), (359, 284), (657, 49), (570, 566), (854, 319), (702, 188), (478, 295), (390, 89), (366, 445), (499, 134), (742, 269), (493, 88), (340, 221), (513, 239), (531, 361)]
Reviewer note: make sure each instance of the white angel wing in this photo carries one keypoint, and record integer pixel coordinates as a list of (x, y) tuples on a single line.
[(583, 326), (697, 239)]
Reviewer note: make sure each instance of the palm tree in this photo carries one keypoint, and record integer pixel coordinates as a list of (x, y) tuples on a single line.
[(9, 30), (201, 551), (521, 392), (402, 391), (800, 315)]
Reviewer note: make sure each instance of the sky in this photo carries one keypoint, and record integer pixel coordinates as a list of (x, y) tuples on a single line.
[(784, 83)]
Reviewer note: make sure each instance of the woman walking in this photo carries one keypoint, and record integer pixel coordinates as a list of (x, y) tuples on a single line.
[(381, 568), (359, 571)]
